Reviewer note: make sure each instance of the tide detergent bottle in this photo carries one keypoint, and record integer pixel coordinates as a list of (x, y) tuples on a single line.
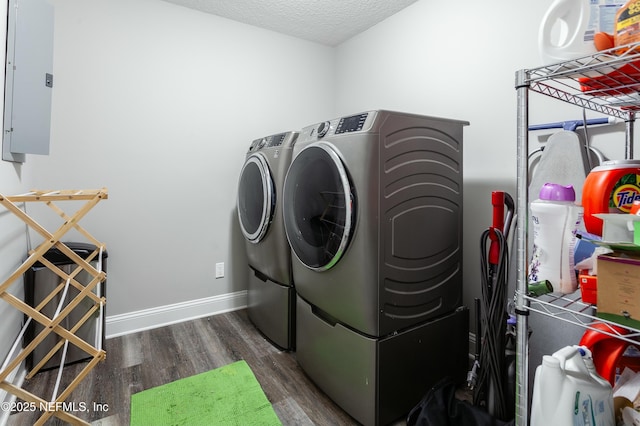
[(610, 188)]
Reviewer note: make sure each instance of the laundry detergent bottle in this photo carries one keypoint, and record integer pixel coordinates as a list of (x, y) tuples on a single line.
[(556, 219), (611, 187), (568, 391), (568, 28)]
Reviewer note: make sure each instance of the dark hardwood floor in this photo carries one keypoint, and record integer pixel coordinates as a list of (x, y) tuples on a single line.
[(151, 358)]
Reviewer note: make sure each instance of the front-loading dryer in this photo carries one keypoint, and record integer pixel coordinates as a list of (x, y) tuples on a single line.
[(373, 213), (372, 207), (270, 292)]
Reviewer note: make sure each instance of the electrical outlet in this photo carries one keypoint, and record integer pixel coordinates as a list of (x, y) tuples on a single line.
[(220, 270)]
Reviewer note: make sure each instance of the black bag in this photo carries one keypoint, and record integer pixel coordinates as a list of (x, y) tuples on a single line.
[(439, 407)]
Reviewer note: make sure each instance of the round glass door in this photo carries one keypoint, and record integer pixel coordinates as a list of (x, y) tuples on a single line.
[(318, 206), (256, 198)]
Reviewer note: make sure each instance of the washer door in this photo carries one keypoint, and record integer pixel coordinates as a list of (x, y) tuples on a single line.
[(256, 198), (318, 206)]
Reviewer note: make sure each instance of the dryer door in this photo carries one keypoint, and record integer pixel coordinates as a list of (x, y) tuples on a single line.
[(318, 206), (256, 198)]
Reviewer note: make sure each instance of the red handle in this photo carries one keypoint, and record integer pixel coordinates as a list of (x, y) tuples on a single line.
[(497, 201)]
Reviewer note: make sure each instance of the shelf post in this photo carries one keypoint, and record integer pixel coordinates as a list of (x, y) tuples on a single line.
[(628, 142), (522, 354)]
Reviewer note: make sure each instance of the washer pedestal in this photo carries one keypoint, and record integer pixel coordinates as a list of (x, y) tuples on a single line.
[(271, 308), (378, 380)]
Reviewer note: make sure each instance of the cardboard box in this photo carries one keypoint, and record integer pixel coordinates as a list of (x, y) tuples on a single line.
[(619, 288)]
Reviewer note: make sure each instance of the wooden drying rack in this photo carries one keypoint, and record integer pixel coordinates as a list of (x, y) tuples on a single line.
[(54, 406)]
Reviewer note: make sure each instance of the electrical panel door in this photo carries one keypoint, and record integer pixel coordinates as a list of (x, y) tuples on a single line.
[(28, 79)]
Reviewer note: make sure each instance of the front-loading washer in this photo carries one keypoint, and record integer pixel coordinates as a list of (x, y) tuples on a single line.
[(372, 207), (270, 290)]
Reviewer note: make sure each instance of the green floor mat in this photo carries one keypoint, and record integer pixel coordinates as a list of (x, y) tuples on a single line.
[(228, 395)]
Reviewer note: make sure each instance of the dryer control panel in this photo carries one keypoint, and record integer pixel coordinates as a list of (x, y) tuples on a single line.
[(361, 122), (354, 123)]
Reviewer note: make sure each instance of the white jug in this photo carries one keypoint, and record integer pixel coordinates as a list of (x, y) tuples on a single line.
[(568, 27), (568, 391)]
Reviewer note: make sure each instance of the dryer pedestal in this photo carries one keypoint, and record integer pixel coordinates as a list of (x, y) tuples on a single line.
[(271, 308), (378, 380)]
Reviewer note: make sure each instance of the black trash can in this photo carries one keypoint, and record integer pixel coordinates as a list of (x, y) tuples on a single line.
[(39, 282)]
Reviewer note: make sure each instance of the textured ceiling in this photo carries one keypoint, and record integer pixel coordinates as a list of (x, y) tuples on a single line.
[(328, 22)]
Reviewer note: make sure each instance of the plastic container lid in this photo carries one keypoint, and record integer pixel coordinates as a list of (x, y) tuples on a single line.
[(557, 192), (617, 164)]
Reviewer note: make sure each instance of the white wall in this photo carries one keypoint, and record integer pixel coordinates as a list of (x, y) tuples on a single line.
[(159, 104)]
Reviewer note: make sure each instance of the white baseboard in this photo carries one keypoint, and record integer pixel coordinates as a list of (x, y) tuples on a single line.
[(146, 319)]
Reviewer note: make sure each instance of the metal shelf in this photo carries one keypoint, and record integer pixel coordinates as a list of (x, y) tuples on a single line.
[(571, 309), (607, 82), (604, 82)]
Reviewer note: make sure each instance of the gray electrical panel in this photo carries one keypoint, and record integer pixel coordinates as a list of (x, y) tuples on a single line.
[(28, 79)]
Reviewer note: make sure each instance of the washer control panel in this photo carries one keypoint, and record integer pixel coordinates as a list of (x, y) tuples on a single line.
[(268, 142), (276, 140)]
